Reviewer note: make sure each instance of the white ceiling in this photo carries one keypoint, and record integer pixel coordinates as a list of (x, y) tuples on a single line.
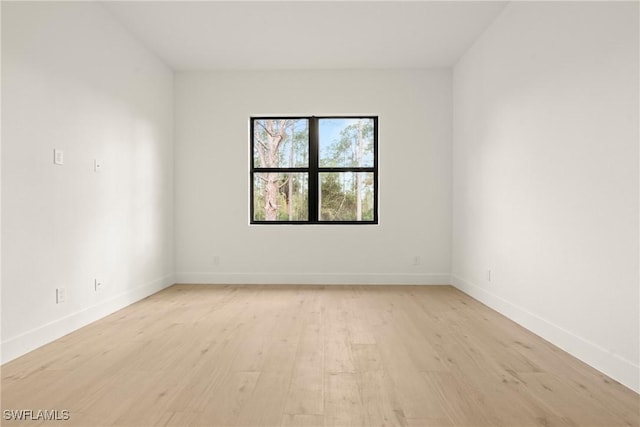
[(200, 35)]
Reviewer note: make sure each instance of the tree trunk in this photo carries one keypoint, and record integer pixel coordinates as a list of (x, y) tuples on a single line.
[(271, 197), (268, 151), (290, 193)]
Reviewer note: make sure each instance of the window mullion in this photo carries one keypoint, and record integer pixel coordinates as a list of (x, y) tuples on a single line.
[(313, 170)]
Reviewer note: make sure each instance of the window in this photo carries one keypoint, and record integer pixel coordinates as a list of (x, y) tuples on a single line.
[(314, 170)]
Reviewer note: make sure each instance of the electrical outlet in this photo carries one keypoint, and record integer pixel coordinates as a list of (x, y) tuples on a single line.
[(60, 295), (488, 275), (416, 260), (216, 260), (97, 165), (98, 284)]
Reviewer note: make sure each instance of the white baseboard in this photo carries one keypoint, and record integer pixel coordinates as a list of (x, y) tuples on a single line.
[(622, 370), (312, 279), (37, 337)]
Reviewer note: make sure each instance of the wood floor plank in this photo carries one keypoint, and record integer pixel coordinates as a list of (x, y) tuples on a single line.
[(306, 392), (180, 419), (463, 404), (225, 401), (579, 406), (381, 405), (265, 407), (367, 357), (268, 356), (360, 331), (343, 403), (338, 356), (302, 420)]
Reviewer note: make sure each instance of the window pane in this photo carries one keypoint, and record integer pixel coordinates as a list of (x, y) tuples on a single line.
[(280, 196), (346, 196), (346, 142), (280, 143)]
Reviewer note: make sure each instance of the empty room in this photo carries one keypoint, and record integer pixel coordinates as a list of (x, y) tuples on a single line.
[(320, 213)]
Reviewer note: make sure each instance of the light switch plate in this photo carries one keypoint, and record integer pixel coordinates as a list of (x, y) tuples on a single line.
[(58, 157), (60, 295)]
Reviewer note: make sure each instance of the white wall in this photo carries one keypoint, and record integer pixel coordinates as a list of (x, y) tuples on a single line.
[(212, 160), (75, 80), (546, 176)]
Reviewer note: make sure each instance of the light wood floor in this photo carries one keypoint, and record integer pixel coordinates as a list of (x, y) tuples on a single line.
[(312, 356)]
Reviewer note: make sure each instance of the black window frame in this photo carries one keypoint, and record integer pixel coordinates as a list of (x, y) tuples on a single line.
[(313, 170)]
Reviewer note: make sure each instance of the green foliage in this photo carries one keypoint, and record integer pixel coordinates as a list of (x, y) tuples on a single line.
[(338, 197)]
